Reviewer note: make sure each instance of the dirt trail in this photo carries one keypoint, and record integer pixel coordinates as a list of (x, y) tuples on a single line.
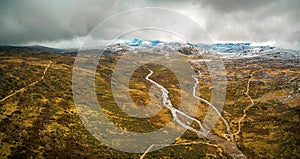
[(31, 84), (184, 144), (249, 106)]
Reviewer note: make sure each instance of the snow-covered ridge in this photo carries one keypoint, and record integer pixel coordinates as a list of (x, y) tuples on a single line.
[(233, 47), (145, 43), (224, 50), (218, 47)]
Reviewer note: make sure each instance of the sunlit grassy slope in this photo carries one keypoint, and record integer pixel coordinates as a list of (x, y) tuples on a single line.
[(42, 122)]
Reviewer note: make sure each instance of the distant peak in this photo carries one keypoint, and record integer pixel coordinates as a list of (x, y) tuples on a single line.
[(140, 42)]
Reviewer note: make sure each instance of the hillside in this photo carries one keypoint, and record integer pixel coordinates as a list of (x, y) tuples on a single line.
[(39, 119)]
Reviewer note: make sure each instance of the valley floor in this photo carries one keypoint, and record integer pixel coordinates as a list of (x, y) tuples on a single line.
[(39, 119)]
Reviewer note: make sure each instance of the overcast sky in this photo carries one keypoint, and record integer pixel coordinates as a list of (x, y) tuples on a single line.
[(59, 23)]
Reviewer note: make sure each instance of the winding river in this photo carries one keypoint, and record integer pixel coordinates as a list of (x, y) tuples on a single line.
[(228, 146)]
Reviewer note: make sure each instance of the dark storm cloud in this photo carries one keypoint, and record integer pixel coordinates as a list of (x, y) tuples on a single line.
[(258, 21), (235, 5), (38, 20), (57, 21)]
